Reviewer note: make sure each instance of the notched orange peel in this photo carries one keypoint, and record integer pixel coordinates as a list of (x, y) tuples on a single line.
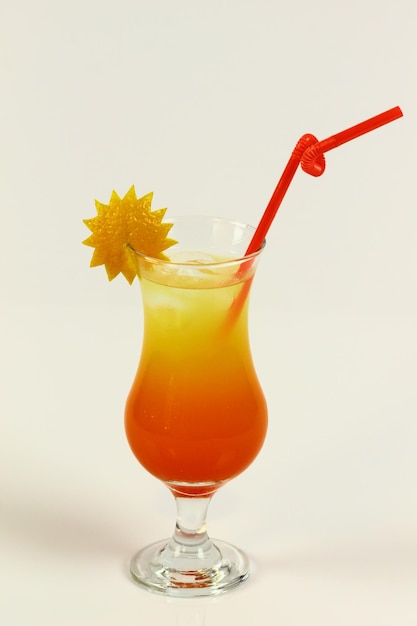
[(127, 221)]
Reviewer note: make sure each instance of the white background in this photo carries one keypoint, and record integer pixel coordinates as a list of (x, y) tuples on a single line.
[(202, 103)]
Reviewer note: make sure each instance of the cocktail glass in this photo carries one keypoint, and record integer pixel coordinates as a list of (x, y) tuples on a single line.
[(196, 416)]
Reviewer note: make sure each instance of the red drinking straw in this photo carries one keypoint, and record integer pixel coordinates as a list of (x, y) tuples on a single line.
[(309, 152)]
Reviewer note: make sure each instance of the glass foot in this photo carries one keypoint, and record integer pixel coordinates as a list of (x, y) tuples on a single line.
[(164, 568)]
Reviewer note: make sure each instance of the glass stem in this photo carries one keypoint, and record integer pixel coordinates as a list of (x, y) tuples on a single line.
[(190, 548)]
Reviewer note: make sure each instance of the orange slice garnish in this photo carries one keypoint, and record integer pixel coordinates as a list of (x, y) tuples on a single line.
[(124, 222)]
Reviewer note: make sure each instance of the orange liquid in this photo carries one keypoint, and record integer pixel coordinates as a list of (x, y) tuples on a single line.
[(196, 412)]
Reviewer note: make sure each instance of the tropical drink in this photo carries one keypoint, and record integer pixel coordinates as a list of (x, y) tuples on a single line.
[(195, 416)]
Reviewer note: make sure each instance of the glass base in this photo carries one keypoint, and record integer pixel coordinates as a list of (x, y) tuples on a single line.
[(156, 569)]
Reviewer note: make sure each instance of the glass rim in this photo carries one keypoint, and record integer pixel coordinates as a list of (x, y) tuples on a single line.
[(233, 261)]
